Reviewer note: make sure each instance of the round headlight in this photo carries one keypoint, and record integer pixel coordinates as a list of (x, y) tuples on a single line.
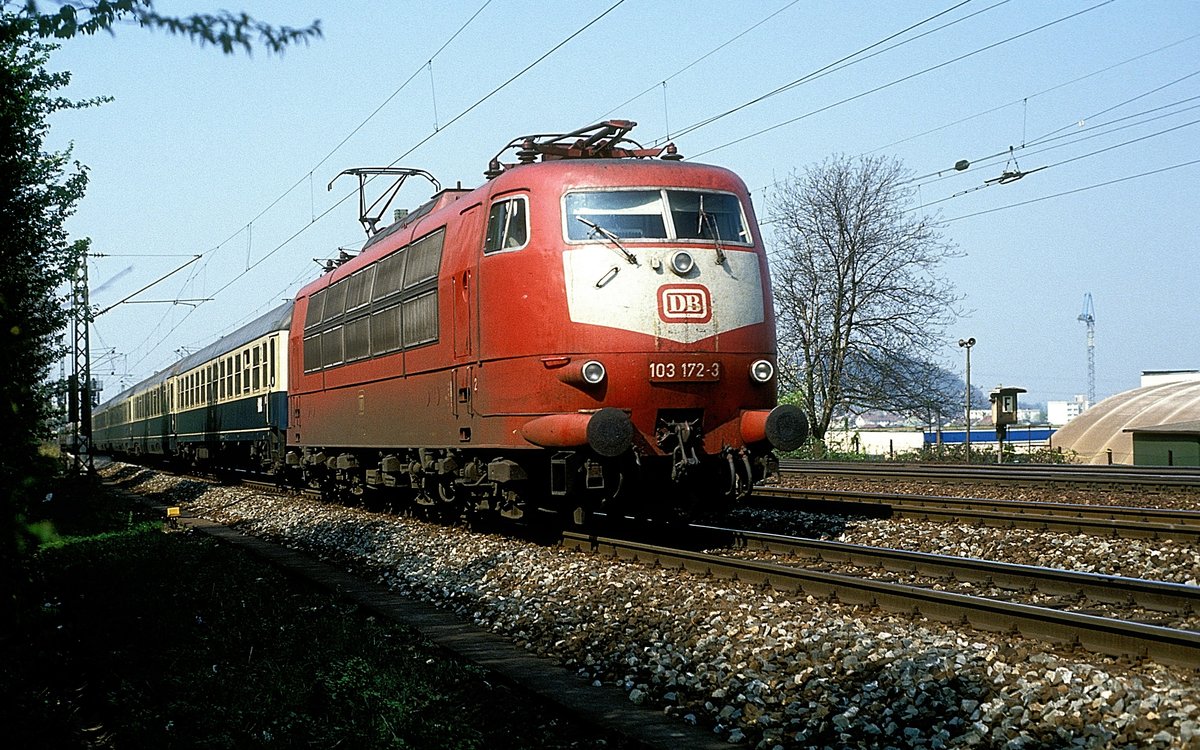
[(762, 370), (682, 263), (592, 371)]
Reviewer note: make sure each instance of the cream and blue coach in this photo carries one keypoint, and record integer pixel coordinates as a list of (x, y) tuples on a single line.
[(225, 403)]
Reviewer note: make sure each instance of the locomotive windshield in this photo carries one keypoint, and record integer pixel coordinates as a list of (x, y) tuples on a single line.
[(657, 215)]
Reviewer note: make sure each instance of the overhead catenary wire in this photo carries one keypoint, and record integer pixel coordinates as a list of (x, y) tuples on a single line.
[(1027, 97), (1068, 161), (844, 62), (1095, 131), (693, 63), (1118, 106), (309, 174), (906, 78), (422, 142), (351, 195), (429, 137), (1071, 192), (1058, 133)]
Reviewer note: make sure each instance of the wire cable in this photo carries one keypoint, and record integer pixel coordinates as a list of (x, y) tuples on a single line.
[(1065, 161), (1064, 84), (1085, 135), (1071, 192), (1117, 106), (422, 142), (308, 175), (909, 77), (844, 62), (693, 63)]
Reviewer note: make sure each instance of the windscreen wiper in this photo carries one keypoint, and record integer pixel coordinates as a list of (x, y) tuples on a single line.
[(597, 229), (706, 218)]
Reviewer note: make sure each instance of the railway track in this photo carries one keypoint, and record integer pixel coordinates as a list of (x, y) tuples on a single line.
[(1101, 520), (1101, 634), (1160, 596), (1086, 476)]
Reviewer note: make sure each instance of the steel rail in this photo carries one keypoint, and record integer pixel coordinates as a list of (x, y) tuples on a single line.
[(1104, 520), (1163, 476), (1100, 634), (1161, 596)]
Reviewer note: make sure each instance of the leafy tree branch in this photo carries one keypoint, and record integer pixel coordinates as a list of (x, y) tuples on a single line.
[(224, 29)]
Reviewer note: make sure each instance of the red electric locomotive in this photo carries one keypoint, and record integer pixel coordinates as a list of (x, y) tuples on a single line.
[(591, 329)]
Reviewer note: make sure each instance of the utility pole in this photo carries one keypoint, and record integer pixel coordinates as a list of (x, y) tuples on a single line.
[(1088, 316), (80, 392), (967, 344)]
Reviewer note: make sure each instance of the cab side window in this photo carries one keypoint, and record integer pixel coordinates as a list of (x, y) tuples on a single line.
[(508, 225)]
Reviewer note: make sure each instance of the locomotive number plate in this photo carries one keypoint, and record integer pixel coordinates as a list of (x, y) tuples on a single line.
[(686, 371)]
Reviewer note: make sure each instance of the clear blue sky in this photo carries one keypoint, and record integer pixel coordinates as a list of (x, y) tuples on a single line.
[(196, 145)]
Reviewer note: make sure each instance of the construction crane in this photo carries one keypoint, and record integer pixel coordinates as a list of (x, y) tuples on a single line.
[(1088, 316)]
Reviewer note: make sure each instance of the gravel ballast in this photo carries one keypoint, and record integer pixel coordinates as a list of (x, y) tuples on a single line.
[(759, 668)]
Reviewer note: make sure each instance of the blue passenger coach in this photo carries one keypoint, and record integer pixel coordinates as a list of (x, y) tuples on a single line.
[(226, 402)]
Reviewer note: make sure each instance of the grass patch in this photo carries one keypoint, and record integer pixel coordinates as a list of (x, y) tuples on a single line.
[(140, 638)]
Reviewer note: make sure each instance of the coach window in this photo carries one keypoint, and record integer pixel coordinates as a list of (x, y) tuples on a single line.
[(237, 374), (424, 259), (255, 371), (246, 367), (316, 307), (359, 291), (335, 300), (271, 382), (508, 226)]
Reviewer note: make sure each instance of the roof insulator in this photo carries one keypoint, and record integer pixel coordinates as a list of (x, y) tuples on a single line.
[(671, 153), (528, 154)]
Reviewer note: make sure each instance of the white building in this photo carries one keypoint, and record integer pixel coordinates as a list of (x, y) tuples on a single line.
[(1162, 377), (1059, 413)]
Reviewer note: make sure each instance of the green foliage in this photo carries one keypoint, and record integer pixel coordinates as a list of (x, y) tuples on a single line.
[(980, 454), (229, 31), (38, 191), (140, 638), (818, 450)]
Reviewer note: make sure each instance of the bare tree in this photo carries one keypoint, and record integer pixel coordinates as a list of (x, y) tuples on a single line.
[(857, 285)]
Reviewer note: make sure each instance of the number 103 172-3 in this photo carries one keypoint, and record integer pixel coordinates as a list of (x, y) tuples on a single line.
[(685, 371)]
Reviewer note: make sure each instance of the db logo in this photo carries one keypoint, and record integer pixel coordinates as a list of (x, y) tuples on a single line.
[(684, 303)]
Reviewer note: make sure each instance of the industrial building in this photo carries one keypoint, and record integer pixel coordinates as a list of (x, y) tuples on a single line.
[(1162, 416)]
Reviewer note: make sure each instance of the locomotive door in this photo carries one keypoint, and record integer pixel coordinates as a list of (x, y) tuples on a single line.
[(465, 282), (463, 297), (464, 287)]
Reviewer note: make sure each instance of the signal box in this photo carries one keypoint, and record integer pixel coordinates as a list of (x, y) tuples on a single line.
[(1004, 406)]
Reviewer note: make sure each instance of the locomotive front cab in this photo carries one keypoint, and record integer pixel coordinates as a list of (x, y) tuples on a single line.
[(641, 316), (674, 283)]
